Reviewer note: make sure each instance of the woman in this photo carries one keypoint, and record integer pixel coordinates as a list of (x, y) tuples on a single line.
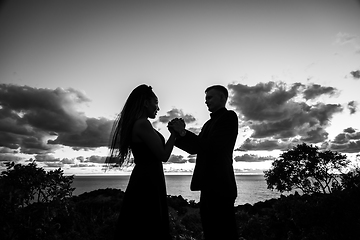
[(144, 211)]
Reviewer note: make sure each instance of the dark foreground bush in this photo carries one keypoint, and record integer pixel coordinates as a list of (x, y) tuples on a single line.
[(37, 205), (93, 216)]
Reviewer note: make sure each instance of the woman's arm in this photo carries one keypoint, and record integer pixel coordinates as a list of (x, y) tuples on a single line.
[(144, 131)]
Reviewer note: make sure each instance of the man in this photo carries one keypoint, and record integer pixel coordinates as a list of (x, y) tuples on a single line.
[(213, 174)]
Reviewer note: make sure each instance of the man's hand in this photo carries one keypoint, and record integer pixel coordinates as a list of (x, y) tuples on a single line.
[(178, 125)]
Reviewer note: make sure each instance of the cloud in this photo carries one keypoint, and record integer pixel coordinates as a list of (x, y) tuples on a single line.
[(314, 90), (35, 145), (192, 158), (67, 161), (350, 147), (315, 136), (266, 144), (176, 159), (51, 161), (349, 130), (348, 141), (96, 159), (31, 119), (252, 158), (276, 111), (83, 165), (355, 74), (54, 164), (346, 38), (343, 38), (96, 134), (46, 158), (352, 106), (195, 130), (8, 157), (81, 158), (7, 150), (176, 113), (46, 109), (264, 101)]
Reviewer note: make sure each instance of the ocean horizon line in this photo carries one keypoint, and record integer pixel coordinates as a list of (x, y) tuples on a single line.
[(165, 173)]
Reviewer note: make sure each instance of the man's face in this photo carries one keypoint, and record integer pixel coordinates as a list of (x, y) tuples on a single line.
[(214, 100)]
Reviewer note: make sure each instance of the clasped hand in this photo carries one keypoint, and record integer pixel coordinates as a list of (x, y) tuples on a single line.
[(177, 125)]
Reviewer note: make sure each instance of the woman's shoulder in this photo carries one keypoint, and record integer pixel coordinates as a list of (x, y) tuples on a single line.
[(142, 122), (141, 125)]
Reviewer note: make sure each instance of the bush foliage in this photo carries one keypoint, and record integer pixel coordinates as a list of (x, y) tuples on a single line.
[(306, 168), (33, 201)]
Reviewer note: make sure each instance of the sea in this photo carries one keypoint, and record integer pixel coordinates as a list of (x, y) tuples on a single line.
[(251, 188)]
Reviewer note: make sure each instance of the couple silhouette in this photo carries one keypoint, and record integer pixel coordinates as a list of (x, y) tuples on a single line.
[(144, 210)]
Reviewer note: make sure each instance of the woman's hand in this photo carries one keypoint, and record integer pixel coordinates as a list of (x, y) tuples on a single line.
[(176, 125)]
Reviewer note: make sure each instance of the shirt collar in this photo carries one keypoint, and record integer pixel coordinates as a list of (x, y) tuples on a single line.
[(218, 112)]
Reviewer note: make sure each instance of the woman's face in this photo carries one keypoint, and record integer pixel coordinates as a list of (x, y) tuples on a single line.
[(152, 107)]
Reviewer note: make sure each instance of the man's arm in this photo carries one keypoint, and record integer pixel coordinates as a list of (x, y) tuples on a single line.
[(188, 142), (185, 140), (222, 136)]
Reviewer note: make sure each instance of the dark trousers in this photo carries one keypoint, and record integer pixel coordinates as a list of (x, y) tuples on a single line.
[(218, 217)]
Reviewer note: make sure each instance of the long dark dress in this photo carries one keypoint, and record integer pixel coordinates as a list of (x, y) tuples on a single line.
[(144, 211)]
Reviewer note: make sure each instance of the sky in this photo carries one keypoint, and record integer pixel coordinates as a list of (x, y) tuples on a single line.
[(292, 69)]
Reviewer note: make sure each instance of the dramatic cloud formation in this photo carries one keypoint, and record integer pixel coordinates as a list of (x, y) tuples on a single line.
[(282, 115), (38, 120), (95, 135)]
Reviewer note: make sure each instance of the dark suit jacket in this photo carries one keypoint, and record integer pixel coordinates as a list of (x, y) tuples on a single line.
[(214, 148)]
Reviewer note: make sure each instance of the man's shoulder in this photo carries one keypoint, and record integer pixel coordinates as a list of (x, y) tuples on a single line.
[(227, 117), (230, 113)]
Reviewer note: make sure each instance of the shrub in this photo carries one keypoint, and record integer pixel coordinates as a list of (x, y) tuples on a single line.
[(34, 203), (306, 168)]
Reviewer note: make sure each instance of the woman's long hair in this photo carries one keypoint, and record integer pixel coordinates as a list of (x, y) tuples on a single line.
[(120, 148)]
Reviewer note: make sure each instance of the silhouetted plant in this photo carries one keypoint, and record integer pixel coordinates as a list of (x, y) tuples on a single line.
[(306, 168), (22, 185), (351, 180), (33, 202)]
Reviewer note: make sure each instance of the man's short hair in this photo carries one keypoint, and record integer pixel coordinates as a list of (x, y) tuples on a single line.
[(219, 88)]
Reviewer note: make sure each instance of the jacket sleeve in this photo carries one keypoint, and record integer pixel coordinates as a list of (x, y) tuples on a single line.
[(221, 137), (188, 142)]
